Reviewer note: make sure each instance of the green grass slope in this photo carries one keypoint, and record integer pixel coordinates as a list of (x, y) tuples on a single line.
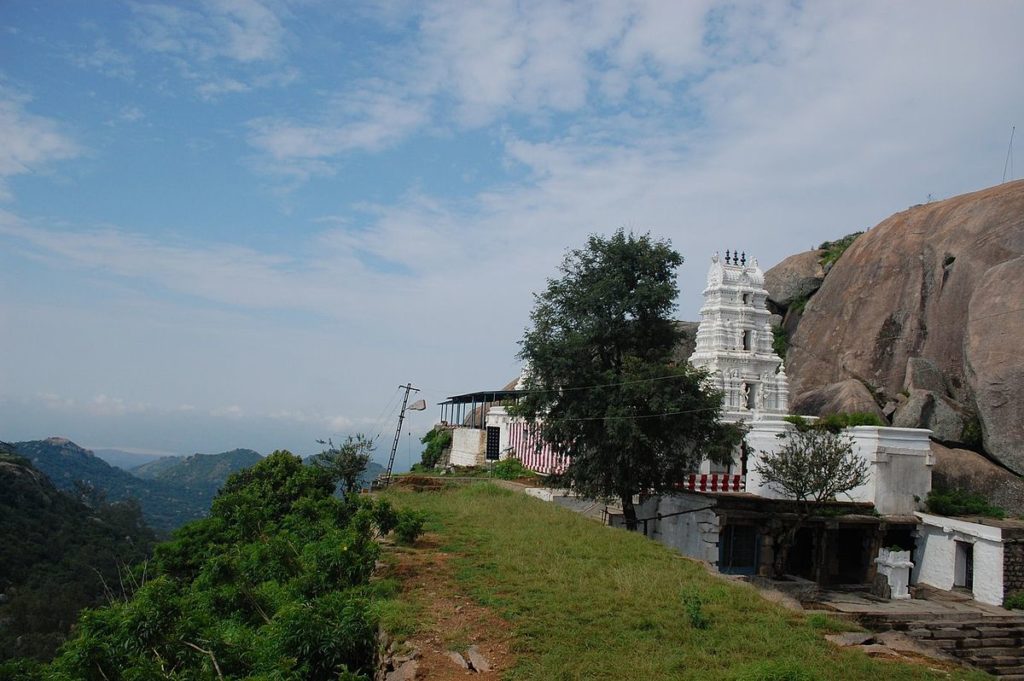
[(591, 602)]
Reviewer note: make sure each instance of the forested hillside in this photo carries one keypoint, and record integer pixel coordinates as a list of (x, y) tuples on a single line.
[(199, 475), (272, 585), (164, 505), (172, 490), (57, 556)]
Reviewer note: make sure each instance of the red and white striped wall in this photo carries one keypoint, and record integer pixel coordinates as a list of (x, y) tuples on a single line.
[(527, 445), (712, 482), (524, 439)]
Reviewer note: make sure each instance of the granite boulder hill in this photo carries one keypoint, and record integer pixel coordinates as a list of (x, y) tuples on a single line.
[(926, 310)]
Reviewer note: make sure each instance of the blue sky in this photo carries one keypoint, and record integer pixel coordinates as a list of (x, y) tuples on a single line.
[(243, 223)]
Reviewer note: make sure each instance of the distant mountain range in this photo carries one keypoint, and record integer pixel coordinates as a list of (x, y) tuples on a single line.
[(373, 469), (126, 460), (171, 493), (172, 490), (201, 473)]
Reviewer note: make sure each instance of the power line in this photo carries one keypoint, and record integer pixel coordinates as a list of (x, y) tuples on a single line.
[(633, 416), (393, 404)]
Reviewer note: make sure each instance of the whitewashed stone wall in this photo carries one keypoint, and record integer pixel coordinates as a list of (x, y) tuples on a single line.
[(497, 417), (935, 557), (694, 534), (899, 460), (469, 446)]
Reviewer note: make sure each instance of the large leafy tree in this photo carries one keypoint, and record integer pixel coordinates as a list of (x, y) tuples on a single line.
[(602, 383)]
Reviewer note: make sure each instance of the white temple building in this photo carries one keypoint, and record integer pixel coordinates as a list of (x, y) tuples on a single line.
[(734, 341)]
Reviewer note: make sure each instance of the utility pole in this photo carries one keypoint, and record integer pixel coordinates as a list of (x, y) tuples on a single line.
[(398, 432)]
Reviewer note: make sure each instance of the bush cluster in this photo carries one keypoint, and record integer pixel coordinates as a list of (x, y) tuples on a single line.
[(835, 249), (436, 441), (511, 469), (272, 585), (835, 423), (958, 502)]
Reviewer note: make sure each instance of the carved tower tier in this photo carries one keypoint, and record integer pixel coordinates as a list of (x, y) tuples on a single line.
[(734, 340)]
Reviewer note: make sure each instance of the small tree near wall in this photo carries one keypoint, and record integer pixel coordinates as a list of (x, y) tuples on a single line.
[(814, 466)]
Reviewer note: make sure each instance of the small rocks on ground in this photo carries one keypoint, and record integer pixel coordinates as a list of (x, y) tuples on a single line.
[(458, 659), (477, 660)]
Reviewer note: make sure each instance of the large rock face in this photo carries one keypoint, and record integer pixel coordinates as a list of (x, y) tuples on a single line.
[(942, 281), (844, 397), (795, 278), (994, 358), (929, 409), (967, 470)]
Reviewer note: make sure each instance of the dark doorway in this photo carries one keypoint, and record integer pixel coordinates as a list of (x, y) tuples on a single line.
[(493, 439), (851, 551), (901, 536), (738, 550), (963, 575), (800, 559)]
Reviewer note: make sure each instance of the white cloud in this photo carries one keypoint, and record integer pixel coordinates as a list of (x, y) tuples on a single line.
[(368, 118), (224, 46), (231, 411), (489, 60), (55, 401), (214, 89), (107, 60), (130, 114), (240, 30), (30, 142), (104, 405)]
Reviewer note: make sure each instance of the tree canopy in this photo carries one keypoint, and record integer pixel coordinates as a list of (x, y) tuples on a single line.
[(813, 466), (346, 462), (601, 380)]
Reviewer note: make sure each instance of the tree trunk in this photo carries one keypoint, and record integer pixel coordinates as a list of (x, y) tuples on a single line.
[(628, 511)]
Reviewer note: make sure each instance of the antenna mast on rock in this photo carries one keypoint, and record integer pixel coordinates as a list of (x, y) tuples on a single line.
[(1009, 155), (398, 432)]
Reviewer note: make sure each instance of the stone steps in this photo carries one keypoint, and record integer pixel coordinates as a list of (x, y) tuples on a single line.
[(994, 644)]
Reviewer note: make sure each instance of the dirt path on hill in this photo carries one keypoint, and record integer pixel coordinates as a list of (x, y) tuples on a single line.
[(452, 621)]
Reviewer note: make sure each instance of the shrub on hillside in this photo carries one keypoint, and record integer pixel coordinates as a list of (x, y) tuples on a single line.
[(436, 441), (835, 249), (835, 423), (958, 502), (409, 527), (510, 469), (274, 584)]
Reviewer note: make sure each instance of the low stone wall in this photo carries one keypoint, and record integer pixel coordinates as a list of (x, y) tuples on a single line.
[(1013, 563)]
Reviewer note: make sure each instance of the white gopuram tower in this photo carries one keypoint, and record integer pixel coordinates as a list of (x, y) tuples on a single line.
[(734, 341)]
